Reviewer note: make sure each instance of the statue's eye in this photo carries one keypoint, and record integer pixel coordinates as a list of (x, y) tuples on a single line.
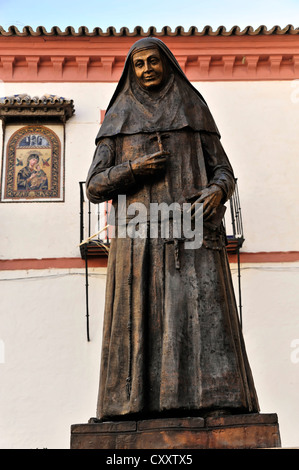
[(139, 64)]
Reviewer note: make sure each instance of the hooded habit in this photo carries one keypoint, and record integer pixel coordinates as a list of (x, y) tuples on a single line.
[(178, 105), (172, 343)]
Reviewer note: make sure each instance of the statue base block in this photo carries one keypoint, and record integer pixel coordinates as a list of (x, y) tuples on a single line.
[(246, 431)]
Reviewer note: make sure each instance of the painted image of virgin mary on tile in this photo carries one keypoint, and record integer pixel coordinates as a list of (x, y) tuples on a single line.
[(32, 176), (33, 166)]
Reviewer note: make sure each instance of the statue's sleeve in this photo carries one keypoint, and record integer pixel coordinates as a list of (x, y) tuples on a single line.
[(218, 167), (105, 180)]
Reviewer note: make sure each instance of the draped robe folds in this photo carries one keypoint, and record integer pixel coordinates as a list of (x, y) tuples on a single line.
[(172, 342)]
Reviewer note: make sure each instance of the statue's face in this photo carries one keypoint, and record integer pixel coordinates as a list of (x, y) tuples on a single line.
[(148, 68)]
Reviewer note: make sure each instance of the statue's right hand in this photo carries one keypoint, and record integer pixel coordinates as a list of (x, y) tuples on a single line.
[(149, 164)]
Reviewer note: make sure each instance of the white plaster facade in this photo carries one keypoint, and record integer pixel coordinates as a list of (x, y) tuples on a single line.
[(49, 371)]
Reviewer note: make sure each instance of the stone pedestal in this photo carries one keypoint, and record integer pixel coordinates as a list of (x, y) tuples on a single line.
[(248, 431)]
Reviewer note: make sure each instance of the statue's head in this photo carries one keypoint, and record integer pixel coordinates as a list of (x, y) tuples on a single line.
[(153, 93), (148, 67)]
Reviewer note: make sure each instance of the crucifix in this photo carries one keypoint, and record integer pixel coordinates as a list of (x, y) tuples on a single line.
[(159, 138)]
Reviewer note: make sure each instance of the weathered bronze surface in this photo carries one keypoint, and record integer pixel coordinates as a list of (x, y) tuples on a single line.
[(172, 343)]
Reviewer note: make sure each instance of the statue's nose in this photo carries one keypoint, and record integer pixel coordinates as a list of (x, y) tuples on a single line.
[(147, 66)]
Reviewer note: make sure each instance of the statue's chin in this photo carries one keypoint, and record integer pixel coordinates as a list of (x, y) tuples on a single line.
[(151, 87)]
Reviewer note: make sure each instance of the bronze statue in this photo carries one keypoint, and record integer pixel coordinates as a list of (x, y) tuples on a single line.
[(172, 344)]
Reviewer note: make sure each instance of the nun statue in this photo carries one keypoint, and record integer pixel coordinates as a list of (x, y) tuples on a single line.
[(172, 344)]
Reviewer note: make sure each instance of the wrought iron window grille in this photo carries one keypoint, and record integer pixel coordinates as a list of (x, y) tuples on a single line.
[(95, 241)]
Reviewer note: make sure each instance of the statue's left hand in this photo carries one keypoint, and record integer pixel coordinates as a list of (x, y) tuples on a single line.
[(211, 198)]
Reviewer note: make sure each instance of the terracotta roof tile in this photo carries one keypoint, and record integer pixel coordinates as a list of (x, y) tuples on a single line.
[(152, 31), (25, 106)]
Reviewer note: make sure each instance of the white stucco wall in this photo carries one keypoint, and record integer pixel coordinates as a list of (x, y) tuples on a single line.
[(52, 229), (271, 331), (49, 371), (258, 123)]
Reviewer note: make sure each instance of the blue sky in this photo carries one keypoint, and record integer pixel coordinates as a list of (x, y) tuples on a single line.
[(158, 13)]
